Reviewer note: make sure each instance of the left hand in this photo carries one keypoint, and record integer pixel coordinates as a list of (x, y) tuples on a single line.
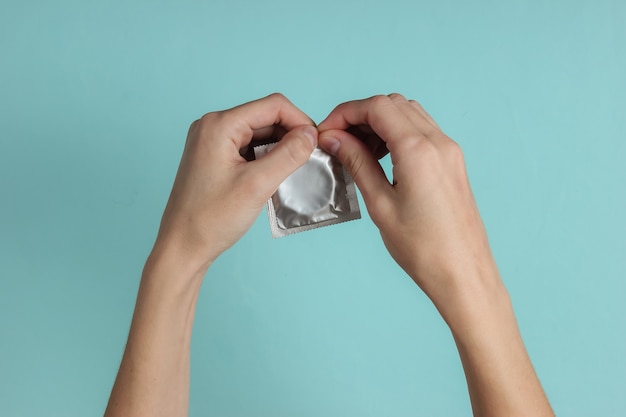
[(217, 194)]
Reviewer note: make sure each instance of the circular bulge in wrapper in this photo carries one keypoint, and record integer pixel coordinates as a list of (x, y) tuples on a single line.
[(319, 193)]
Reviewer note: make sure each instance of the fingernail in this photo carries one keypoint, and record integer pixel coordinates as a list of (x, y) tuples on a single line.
[(331, 145), (311, 134)]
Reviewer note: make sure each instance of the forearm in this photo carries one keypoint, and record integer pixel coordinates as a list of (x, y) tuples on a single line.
[(500, 376), (430, 223), (153, 379), (216, 197)]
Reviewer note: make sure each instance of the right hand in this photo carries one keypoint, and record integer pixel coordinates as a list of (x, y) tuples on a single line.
[(427, 216), (430, 223)]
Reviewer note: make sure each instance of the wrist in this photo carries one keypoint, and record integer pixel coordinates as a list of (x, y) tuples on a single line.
[(465, 300), (476, 308), (174, 270)]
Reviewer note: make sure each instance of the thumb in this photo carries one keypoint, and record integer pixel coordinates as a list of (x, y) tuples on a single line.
[(360, 163), (289, 154)]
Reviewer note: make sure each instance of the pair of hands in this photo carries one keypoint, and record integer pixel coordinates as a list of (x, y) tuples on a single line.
[(427, 215)]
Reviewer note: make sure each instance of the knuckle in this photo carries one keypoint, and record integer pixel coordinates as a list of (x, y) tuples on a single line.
[(397, 97), (380, 101), (427, 147), (426, 150), (415, 104), (210, 118), (279, 97), (214, 122), (339, 109), (193, 127), (453, 151), (417, 137)]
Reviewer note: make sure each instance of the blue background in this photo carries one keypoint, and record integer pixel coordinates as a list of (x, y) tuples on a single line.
[(95, 101)]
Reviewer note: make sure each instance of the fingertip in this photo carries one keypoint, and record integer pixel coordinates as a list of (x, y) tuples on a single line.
[(333, 120), (321, 127), (286, 156), (329, 142), (358, 160), (311, 134), (297, 145)]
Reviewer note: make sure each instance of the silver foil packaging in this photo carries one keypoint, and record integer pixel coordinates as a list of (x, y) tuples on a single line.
[(319, 193)]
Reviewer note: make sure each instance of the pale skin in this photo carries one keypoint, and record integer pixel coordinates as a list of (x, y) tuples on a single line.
[(427, 216)]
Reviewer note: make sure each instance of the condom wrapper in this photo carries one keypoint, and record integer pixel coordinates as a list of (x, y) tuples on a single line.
[(320, 193)]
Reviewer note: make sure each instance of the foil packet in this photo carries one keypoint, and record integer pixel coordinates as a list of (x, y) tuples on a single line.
[(320, 193)]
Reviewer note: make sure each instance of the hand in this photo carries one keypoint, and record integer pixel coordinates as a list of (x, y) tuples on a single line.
[(430, 224), (427, 216), (217, 194)]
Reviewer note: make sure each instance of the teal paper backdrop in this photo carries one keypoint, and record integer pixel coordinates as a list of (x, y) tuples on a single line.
[(95, 101)]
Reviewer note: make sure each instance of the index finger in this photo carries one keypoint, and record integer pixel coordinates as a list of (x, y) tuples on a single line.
[(242, 121), (378, 112)]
